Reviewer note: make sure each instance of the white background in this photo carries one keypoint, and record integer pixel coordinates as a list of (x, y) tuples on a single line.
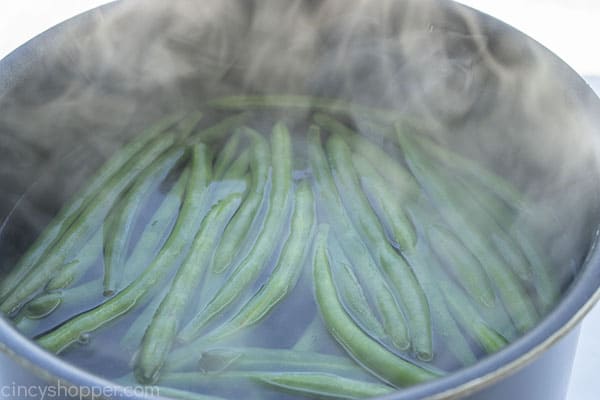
[(570, 28)]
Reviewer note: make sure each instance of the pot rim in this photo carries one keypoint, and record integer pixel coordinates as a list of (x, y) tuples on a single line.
[(581, 297)]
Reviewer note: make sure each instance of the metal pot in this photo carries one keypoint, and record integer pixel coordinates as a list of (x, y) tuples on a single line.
[(107, 57)]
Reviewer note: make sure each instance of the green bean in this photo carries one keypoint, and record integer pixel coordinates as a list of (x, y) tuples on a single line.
[(388, 167), (252, 264), (239, 166), (47, 303), (469, 318), (227, 154), (328, 385), (135, 333), (409, 290), (497, 184), (58, 226), (523, 239), (217, 131), (518, 304), (215, 360), (387, 203), (156, 231), (365, 350), (463, 265), (85, 226), (74, 270), (301, 102), (175, 246), (118, 232), (237, 229), (161, 333), (309, 383), (285, 276), (353, 246), (352, 295)]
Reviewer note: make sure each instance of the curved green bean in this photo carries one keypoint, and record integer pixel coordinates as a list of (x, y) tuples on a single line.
[(400, 273), (510, 290), (309, 383), (162, 331), (365, 350), (57, 227), (387, 203), (463, 265), (253, 263), (87, 223), (156, 231), (353, 245), (217, 131), (227, 154), (285, 276), (175, 246), (118, 232), (237, 229), (73, 271), (391, 169), (352, 295), (239, 166)]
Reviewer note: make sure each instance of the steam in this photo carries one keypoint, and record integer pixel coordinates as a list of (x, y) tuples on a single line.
[(477, 87)]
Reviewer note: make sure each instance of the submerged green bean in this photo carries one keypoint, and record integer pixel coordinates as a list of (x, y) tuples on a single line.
[(365, 350), (58, 226), (353, 245), (285, 276), (162, 331), (157, 230), (463, 265), (239, 166), (511, 291), (227, 154), (352, 295), (238, 228), (409, 290), (309, 383), (391, 169), (387, 203), (88, 222), (249, 268), (118, 232), (175, 246), (73, 271)]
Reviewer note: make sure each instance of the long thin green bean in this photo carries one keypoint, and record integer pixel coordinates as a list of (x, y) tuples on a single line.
[(409, 290), (352, 294), (227, 154), (309, 383), (84, 260), (463, 265), (176, 245), (389, 167), (218, 130), (386, 203), (237, 229), (365, 350), (353, 246), (162, 331), (57, 227), (264, 246), (85, 226), (512, 293), (285, 276), (156, 231), (117, 233), (239, 166)]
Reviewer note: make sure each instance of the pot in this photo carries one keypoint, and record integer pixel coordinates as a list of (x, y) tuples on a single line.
[(70, 96)]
